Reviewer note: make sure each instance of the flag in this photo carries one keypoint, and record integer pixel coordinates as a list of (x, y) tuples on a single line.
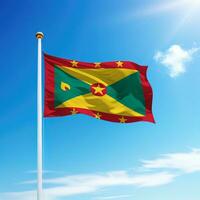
[(114, 91)]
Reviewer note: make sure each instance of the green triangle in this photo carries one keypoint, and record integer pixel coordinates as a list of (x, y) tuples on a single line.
[(129, 92), (77, 87)]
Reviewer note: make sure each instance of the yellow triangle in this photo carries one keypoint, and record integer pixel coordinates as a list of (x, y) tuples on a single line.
[(104, 76), (104, 104)]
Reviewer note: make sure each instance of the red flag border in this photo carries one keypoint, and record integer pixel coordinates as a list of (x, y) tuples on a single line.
[(50, 111)]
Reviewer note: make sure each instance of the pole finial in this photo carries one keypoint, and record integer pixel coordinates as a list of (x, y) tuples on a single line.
[(39, 35)]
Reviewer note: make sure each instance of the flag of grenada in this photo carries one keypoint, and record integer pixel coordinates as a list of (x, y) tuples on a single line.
[(114, 91)]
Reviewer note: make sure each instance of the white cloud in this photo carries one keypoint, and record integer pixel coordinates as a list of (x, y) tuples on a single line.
[(110, 179), (156, 172), (89, 183), (175, 59), (185, 162), (114, 178), (28, 195)]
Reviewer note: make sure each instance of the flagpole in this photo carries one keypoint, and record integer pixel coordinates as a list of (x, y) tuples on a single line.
[(39, 36)]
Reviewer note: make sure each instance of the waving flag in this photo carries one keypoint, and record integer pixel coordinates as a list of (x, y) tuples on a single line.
[(113, 91)]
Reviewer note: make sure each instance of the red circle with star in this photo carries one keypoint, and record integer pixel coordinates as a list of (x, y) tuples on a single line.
[(98, 89)]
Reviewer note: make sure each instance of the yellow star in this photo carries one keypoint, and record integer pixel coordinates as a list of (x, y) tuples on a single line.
[(119, 64), (98, 89), (74, 63), (122, 120), (97, 64), (97, 116), (73, 111)]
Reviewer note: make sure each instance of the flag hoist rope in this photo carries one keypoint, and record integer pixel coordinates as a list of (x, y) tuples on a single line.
[(39, 36)]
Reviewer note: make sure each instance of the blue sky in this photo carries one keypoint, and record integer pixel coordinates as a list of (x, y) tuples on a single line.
[(85, 158)]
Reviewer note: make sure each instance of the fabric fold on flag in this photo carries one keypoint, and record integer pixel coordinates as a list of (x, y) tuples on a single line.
[(115, 91)]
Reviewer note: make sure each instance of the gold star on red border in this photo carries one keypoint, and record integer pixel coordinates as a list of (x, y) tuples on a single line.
[(97, 116), (74, 111), (74, 63), (97, 64), (119, 64), (122, 119)]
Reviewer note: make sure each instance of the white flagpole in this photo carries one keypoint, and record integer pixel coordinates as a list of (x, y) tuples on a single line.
[(39, 36)]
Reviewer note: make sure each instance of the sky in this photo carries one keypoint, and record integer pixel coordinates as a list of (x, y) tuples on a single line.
[(86, 158)]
